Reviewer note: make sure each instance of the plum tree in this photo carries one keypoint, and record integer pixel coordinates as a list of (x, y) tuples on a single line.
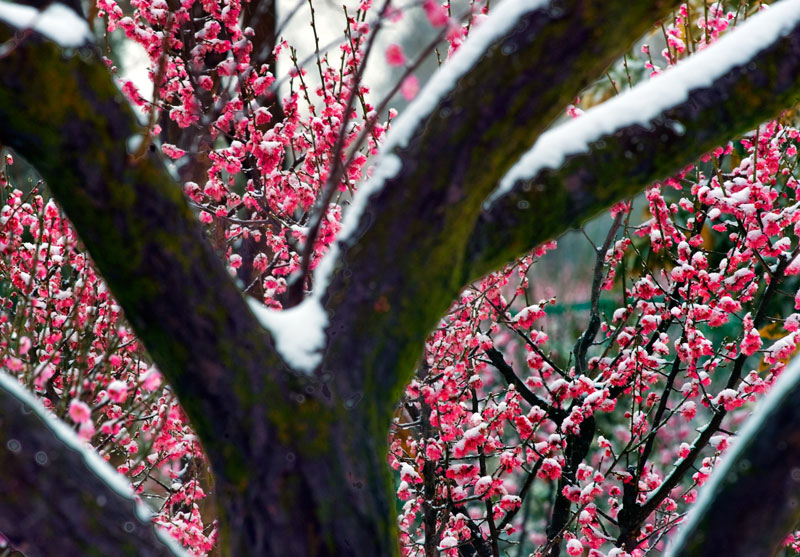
[(292, 404)]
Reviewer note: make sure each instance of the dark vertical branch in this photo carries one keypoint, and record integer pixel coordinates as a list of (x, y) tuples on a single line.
[(585, 341), (493, 535), (429, 514), (575, 452)]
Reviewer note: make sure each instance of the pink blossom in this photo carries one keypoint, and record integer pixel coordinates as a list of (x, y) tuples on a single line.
[(794, 267), (151, 379), (574, 547), (79, 411), (688, 410), (172, 151), (436, 13), (86, 431), (550, 469), (395, 55), (728, 398), (410, 87), (117, 391), (751, 342), (526, 317)]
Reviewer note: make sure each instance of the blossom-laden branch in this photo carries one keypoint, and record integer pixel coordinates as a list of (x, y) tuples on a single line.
[(751, 502), (613, 151), (317, 441), (634, 371)]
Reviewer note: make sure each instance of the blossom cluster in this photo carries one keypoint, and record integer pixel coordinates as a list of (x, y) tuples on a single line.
[(63, 337), (607, 439), (268, 160)]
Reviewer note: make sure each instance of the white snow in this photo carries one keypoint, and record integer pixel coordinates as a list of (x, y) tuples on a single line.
[(58, 23), (648, 100), (93, 461), (499, 23), (299, 332), (788, 380)]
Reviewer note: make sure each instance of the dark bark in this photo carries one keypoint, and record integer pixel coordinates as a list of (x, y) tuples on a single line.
[(621, 164), (48, 492), (299, 462), (429, 514), (576, 450)]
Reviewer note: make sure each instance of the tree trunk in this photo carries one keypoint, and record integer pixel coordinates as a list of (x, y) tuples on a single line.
[(299, 460)]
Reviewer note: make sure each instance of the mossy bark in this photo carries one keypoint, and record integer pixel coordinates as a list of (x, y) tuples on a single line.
[(299, 461), (619, 165), (285, 460)]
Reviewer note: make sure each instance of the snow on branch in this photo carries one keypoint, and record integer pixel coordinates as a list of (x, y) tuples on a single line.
[(642, 135), (57, 22), (300, 332), (649, 100), (55, 486), (501, 21)]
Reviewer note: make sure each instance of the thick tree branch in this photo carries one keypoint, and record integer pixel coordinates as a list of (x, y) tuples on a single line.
[(620, 163), (87, 517), (401, 266), (63, 113)]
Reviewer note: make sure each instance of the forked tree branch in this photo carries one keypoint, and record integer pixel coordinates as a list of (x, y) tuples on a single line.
[(312, 441), (287, 451)]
